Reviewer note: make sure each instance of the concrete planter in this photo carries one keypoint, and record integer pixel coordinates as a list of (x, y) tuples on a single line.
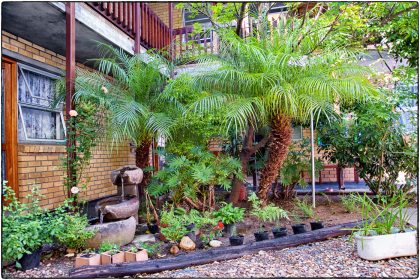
[(120, 233), (87, 259), (136, 257), (108, 258), (387, 246)]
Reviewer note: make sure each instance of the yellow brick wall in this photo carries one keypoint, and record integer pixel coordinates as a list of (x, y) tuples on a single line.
[(41, 163), (161, 10)]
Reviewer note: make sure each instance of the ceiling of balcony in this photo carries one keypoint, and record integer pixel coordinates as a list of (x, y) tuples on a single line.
[(44, 24)]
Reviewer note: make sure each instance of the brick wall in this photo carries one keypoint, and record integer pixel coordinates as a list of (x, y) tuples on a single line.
[(161, 10), (41, 163)]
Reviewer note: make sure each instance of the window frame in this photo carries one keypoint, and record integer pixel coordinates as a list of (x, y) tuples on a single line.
[(301, 133), (58, 109)]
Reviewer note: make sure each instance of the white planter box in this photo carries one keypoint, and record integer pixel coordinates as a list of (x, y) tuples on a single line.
[(387, 246)]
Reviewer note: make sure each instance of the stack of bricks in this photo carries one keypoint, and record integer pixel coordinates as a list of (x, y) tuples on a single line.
[(41, 164)]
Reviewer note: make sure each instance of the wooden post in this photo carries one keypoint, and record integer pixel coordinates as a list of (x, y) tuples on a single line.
[(171, 21), (137, 27), (70, 79)]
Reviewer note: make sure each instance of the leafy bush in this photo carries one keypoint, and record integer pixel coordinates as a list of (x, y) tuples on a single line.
[(267, 213), (107, 246), (305, 207), (350, 203), (24, 229), (150, 247), (229, 214)]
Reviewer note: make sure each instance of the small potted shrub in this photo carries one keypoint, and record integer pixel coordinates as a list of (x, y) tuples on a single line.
[(268, 213), (384, 233), (229, 215), (110, 253), (87, 258), (317, 224), (136, 255), (279, 231), (236, 239)]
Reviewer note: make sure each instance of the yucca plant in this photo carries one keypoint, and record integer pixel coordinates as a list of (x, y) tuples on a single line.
[(272, 80)]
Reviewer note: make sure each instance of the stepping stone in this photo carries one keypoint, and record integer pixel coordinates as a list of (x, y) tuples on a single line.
[(144, 238)]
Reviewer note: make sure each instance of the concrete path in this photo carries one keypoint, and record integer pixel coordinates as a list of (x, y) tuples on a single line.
[(412, 213)]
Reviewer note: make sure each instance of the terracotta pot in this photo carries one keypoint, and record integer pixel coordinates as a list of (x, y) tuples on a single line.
[(107, 258), (136, 257), (87, 259)]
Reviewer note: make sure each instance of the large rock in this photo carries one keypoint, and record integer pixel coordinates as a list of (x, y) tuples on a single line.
[(144, 238), (114, 209), (129, 175), (187, 244), (120, 233), (215, 243)]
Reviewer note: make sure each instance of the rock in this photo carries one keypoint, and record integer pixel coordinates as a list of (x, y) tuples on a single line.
[(144, 238), (215, 243), (114, 209), (187, 244), (132, 175), (120, 233), (70, 255), (174, 250)]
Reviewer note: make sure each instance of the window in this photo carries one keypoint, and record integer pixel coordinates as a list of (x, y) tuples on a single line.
[(38, 121), (297, 132)]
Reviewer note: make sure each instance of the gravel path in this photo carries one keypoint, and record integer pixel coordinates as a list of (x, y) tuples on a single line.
[(333, 258)]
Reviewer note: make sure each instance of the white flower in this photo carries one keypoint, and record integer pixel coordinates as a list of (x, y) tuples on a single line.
[(74, 190), (104, 89), (73, 113)]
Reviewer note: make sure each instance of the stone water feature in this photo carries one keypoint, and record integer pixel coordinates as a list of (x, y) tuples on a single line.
[(118, 215)]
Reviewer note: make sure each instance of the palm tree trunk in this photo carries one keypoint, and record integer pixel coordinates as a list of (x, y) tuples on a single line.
[(280, 139), (143, 161)]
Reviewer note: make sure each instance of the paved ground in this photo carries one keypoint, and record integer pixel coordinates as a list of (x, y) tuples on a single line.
[(335, 258), (413, 217)]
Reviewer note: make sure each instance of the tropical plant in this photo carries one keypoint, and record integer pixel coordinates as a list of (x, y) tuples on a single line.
[(193, 176), (108, 246), (267, 213), (151, 248), (126, 89), (173, 227), (273, 80), (296, 163), (304, 207), (229, 214)]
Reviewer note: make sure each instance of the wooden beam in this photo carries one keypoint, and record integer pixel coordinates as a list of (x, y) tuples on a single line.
[(137, 27), (171, 27), (70, 79), (209, 256)]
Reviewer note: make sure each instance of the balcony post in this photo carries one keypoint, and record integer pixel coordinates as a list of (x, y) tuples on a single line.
[(171, 20), (70, 80), (137, 27)]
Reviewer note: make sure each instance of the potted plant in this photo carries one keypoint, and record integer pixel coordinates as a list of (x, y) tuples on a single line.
[(24, 230), (136, 255), (317, 224), (110, 253), (236, 239), (87, 257), (299, 227), (279, 231), (229, 215), (384, 233), (268, 213)]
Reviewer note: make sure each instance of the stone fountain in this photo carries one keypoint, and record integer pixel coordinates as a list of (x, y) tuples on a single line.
[(118, 215)]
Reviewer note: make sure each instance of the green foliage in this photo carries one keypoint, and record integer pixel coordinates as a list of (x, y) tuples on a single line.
[(267, 213), (375, 142), (384, 217), (184, 175), (350, 202), (150, 247), (305, 207), (23, 227), (229, 214), (107, 246), (298, 161)]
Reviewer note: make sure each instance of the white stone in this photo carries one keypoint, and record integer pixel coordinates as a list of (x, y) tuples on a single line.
[(215, 243), (144, 238)]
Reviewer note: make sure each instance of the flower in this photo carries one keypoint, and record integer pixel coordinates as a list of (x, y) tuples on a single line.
[(104, 89), (73, 113), (219, 226), (74, 190)]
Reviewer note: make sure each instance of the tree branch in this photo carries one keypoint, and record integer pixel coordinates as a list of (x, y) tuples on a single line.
[(391, 17), (241, 18)]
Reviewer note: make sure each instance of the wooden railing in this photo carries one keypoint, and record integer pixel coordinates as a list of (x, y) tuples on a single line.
[(154, 33), (188, 45)]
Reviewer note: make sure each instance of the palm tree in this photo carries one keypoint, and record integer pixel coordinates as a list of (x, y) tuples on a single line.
[(273, 80), (127, 89)]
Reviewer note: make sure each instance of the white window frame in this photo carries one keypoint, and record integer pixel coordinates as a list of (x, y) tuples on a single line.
[(57, 109)]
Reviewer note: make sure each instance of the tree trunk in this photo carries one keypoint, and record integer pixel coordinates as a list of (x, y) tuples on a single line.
[(143, 161), (280, 139)]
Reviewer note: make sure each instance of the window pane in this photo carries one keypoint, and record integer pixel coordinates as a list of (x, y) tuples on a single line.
[(297, 133), (42, 88), (41, 124)]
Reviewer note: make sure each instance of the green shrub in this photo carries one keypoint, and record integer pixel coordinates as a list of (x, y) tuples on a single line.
[(229, 214), (268, 213), (305, 207), (350, 203)]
